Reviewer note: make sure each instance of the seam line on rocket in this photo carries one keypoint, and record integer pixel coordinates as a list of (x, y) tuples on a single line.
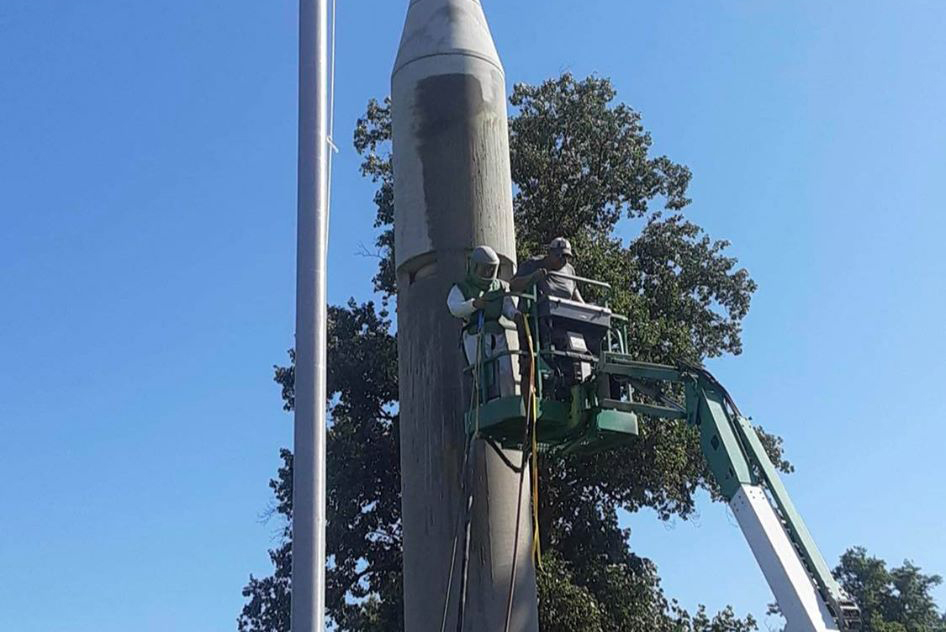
[(463, 53)]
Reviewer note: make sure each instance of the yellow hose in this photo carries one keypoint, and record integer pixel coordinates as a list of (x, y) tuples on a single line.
[(534, 452)]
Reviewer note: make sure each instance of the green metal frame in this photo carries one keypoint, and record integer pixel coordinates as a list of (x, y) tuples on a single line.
[(582, 424)]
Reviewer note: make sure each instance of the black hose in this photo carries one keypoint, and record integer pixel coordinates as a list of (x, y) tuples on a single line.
[(499, 452), (709, 377), (526, 449), (465, 560), (515, 545)]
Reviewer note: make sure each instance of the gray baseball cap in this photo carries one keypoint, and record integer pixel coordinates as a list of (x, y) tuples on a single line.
[(561, 245)]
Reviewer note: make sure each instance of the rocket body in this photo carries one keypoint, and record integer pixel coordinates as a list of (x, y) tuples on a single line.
[(452, 192), (450, 134)]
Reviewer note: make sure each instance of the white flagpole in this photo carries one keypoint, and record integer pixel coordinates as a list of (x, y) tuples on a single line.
[(308, 495)]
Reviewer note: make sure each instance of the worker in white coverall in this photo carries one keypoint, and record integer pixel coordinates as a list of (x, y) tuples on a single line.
[(481, 300)]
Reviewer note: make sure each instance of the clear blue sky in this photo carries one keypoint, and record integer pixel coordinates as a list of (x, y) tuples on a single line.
[(147, 169)]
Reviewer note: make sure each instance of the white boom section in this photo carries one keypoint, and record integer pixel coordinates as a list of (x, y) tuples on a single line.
[(797, 597)]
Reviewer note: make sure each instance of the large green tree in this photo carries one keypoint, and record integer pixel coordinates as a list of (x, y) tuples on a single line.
[(583, 167)]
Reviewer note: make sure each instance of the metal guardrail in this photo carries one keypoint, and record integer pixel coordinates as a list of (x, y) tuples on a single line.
[(572, 277), (532, 314)]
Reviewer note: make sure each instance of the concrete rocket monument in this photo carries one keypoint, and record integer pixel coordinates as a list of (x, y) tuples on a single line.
[(452, 192)]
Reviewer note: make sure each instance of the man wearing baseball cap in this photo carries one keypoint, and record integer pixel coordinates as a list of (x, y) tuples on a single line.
[(536, 271)]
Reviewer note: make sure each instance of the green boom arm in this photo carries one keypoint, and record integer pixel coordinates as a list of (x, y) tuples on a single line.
[(740, 464)]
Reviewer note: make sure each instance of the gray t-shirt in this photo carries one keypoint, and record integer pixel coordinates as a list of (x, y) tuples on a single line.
[(551, 285)]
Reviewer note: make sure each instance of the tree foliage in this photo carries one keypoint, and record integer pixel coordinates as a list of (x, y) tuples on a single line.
[(891, 600), (582, 168), (580, 161), (363, 583), (267, 606)]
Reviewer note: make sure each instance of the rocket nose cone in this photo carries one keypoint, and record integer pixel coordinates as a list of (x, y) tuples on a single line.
[(445, 27)]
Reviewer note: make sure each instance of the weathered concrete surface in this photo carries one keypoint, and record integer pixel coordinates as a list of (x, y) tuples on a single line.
[(452, 192)]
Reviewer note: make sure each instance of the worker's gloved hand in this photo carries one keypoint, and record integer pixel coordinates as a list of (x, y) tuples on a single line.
[(488, 297)]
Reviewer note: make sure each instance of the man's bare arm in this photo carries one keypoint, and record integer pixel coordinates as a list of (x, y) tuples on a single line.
[(523, 283)]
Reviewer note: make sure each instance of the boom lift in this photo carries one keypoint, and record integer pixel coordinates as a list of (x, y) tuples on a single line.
[(589, 396)]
